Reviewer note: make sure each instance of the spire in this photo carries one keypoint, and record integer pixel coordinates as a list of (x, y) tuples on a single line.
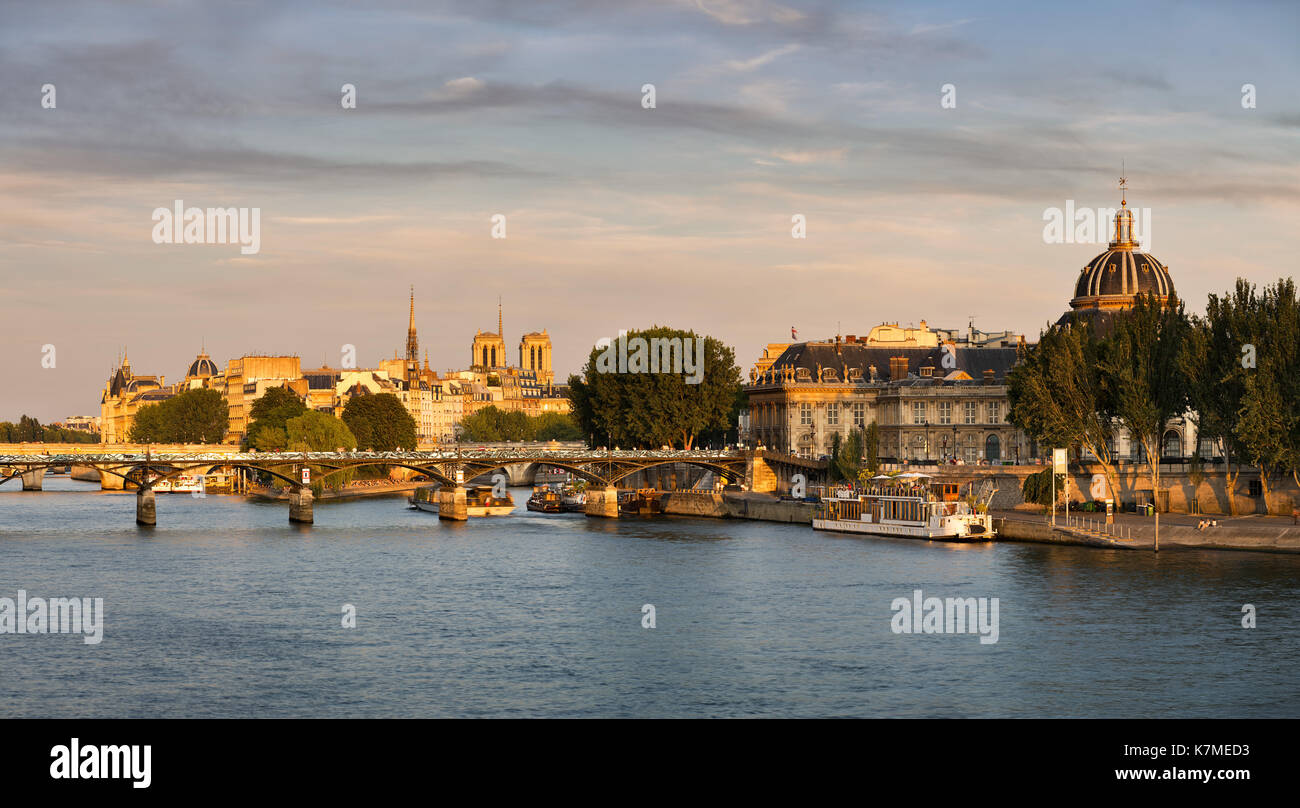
[(501, 330), (1123, 219), (412, 343)]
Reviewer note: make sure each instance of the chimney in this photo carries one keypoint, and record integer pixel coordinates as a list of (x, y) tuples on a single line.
[(927, 371), (851, 338), (897, 368), (990, 377)]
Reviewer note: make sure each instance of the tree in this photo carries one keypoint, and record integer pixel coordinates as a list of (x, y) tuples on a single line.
[(29, 430), (1269, 416), (317, 432), (1216, 373), (380, 422), (491, 424), (846, 460), (194, 416), (626, 404), (268, 416), (1037, 488), (1143, 370), (872, 448), (555, 426), (1058, 396)]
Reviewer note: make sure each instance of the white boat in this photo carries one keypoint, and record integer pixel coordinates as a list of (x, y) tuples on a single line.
[(909, 507)]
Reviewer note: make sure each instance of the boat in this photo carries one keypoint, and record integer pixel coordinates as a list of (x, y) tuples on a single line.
[(479, 501), (424, 498), (546, 500), (641, 502), (907, 506), (573, 499)]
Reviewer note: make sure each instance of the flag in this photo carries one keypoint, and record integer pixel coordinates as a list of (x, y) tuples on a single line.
[(793, 333)]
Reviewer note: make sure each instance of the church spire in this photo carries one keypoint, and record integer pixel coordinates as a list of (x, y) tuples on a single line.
[(412, 344), (501, 330)]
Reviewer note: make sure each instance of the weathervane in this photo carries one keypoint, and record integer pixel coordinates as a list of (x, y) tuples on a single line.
[(1123, 185)]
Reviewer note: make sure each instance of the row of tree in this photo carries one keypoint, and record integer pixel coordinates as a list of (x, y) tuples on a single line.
[(194, 416), (30, 430), (492, 424), (280, 421), (1235, 371)]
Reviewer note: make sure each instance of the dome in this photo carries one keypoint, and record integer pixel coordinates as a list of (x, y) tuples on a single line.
[(1114, 279), (1121, 273), (201, 368)]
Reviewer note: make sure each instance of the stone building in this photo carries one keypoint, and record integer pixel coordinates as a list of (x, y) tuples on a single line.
[(929, 400)]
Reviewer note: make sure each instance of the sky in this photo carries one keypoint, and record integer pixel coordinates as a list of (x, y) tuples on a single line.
[(617, 216)]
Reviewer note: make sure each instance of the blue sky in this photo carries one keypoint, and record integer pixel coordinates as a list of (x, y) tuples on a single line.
[(617, 216)]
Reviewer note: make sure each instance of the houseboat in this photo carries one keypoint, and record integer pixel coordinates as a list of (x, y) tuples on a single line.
[(545, 499), (479, 501), (907, 506)]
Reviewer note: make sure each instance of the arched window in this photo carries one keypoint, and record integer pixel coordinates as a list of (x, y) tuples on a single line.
[(993, 449), (1172, 446)]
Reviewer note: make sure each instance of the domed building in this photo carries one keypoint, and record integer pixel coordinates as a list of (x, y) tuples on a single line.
[(202, 368), (1113, 281)]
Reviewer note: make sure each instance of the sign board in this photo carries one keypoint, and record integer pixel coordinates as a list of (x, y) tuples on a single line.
[(460, 476), (1058, 461), (306, 475)]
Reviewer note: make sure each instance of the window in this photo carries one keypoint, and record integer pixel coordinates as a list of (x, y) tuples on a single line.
[(970, 412), (945, 412), (859, 414), (995, 413), (833, 414), (805, 415), (918, 412)]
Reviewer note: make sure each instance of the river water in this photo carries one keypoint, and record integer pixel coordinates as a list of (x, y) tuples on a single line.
[(225, 609)]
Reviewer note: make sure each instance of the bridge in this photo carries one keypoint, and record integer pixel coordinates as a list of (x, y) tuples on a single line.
[(145, 468)]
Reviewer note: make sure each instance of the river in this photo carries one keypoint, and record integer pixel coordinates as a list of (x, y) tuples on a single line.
[(226, 610)]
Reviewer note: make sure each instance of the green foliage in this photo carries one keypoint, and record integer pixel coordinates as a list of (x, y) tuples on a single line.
[(871, 450), (1037, 488), (55, 434), (1144, 371), (29, 430), (1058, 395), (846, 456), (268, 416), (492, 424), (380, 423), (655, 409), (317, 432), (194, 416)]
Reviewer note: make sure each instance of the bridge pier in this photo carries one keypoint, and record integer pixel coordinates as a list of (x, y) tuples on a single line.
[(146, 510), (32, 479), (300, 508), (603, 504), (110, 482), (452, 504)]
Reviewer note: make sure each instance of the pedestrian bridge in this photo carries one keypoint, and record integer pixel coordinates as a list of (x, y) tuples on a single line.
[(145, 467)]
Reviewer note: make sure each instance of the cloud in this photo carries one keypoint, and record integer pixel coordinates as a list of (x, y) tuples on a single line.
[(750, 65)]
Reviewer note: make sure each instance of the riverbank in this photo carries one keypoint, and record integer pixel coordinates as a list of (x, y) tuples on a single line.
[(1274, 534), (1129, 532)]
